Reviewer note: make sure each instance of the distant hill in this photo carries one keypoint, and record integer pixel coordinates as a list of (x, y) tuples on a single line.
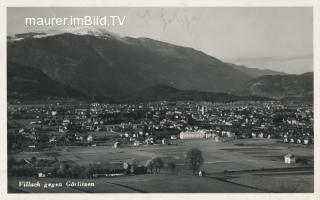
[(163, 92), (254, 72), (281, 86)]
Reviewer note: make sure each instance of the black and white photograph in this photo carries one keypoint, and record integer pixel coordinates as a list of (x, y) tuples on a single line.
[(160, 100)]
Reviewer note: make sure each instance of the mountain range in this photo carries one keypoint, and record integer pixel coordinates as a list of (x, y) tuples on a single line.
[(95, 62)]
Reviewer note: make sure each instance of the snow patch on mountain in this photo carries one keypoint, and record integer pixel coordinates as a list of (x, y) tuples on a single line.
[(94, 31)]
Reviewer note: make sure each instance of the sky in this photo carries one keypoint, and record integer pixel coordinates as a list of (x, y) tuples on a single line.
[(277, 38)]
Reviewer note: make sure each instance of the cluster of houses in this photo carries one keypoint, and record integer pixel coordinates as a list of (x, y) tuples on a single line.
[(150, 123), (297, 140)]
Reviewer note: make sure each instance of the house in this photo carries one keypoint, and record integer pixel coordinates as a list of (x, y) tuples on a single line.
[(136, 143), (116, 145), (192, 135), (90, 138), (79, 137), (65, 122), (61, 129), (289, 159), (149, 141), (230, 134), (52, 139), (173, 137), (164, 141), (201, 173), (41, 175)]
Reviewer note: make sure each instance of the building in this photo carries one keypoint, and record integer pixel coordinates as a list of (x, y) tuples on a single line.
[(90, 138), (116, 145), (230, 134), (149, 141), (209, 135), (164, 141), (201, 173), (289, 159), (136, 143), (192, 134), (41, 175), (52, 140), (203, 110), (173, 137)]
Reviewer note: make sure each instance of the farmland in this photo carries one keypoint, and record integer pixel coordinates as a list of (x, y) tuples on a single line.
[(246, 165)]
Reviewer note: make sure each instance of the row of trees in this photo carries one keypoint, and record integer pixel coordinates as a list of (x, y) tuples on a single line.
[(55, 168), (155, 164), (193, 158)]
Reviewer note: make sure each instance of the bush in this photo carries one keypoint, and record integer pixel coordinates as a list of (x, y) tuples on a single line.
[(158, 164), (171, 165)]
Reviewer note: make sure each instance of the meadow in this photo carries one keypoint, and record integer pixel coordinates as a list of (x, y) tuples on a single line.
[(250, 165)]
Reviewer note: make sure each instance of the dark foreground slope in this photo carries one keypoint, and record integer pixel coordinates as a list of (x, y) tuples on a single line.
[(30, 83)]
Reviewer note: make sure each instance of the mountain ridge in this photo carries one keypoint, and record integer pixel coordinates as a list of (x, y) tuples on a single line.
[(105, 64)]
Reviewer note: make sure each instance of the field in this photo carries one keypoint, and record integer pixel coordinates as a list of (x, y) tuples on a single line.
[(236, 166)]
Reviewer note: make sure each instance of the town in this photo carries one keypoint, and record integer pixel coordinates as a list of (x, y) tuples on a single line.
[(155, 123), (66, 139)]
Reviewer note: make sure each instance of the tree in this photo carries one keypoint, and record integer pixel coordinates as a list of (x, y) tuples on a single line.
[(150, 165), (62, 171), (43, 138), (194, 159), (171, 165), (76, 170), (134, 165), (88, 171), (33, 159), (135, 162), (158, 164)]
